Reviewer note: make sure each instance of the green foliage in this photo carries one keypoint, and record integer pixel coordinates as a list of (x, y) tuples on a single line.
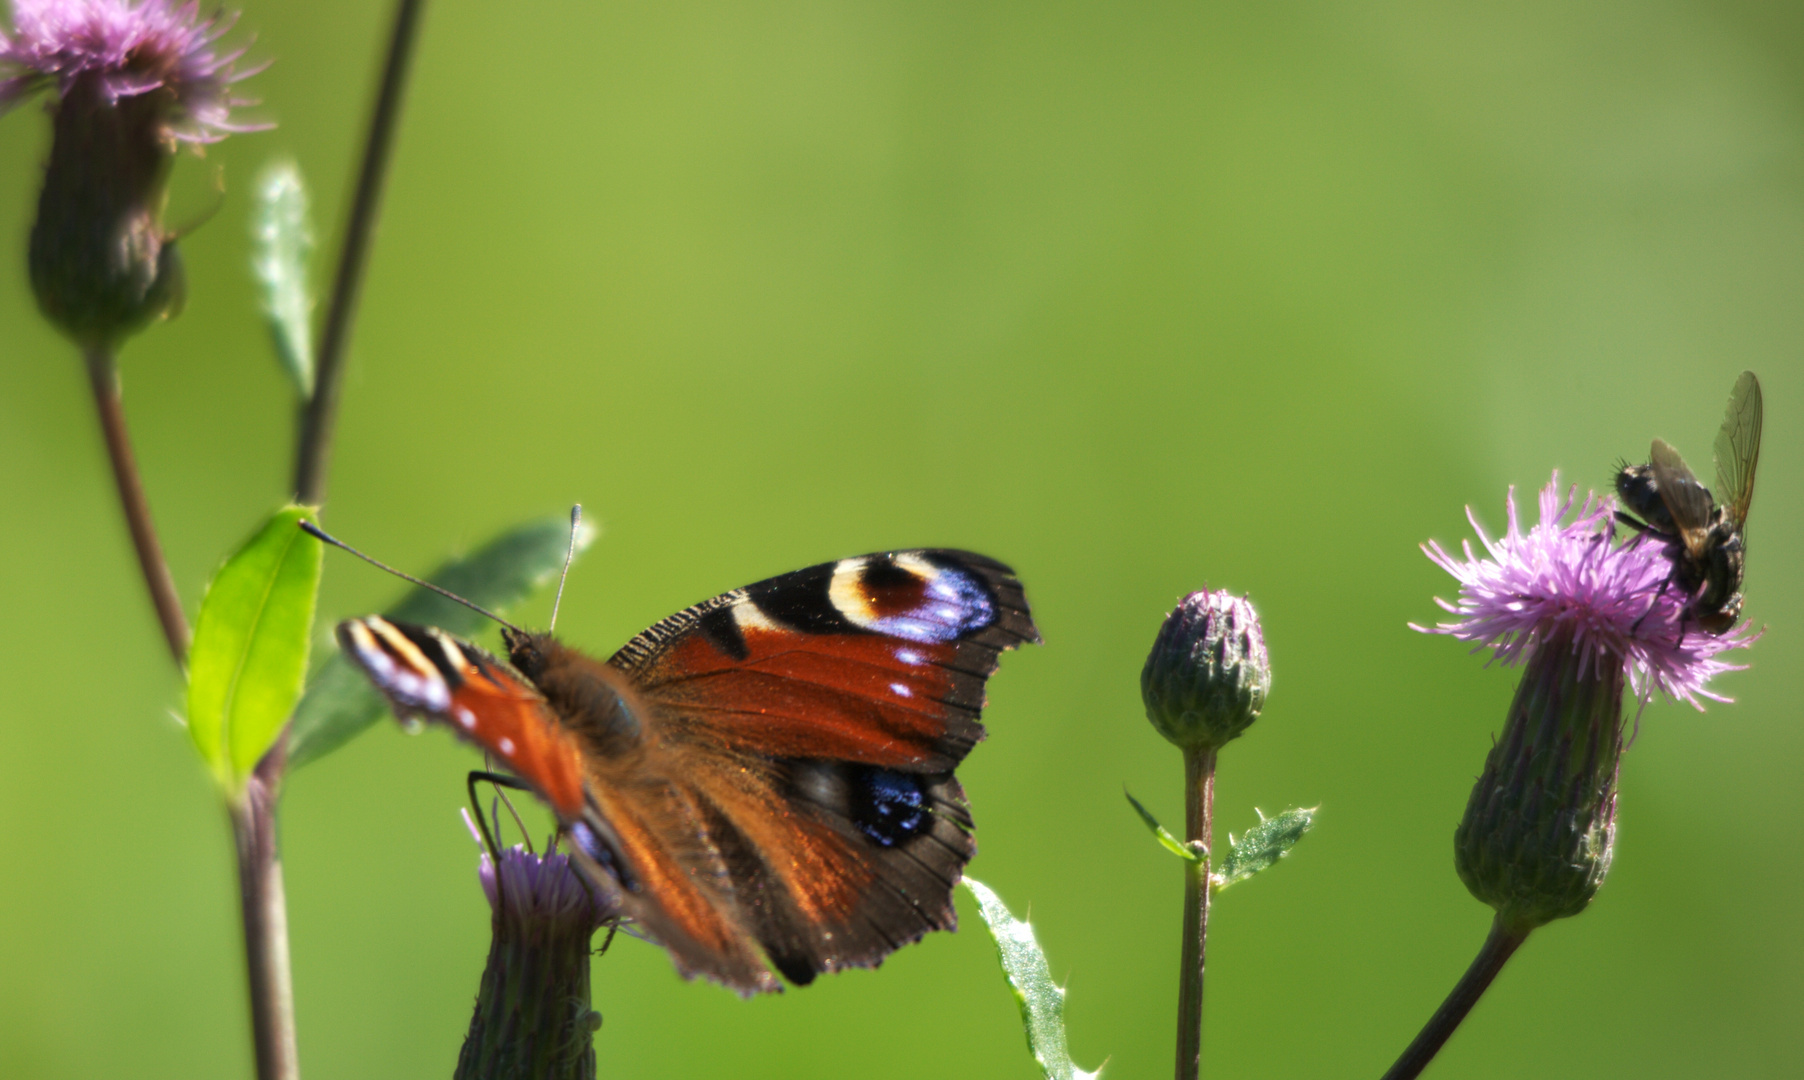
[(1166, 839), (282, 230), (1042, 1000), (1262, 846), (340, 703), (249, 655)]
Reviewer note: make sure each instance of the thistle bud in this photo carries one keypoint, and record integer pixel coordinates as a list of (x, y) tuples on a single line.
[(102, 264), (1540, 826), (1207, 675), (532, 1013), (132, 82)]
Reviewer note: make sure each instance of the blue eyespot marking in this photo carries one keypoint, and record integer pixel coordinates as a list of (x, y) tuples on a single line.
[(913, 599), (888, 806)]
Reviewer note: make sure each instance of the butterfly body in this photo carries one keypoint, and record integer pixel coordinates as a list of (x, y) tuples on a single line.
[(767, 774)]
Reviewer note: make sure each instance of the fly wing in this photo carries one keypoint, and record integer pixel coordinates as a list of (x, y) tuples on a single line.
[(1686, 500), (1738, 448)]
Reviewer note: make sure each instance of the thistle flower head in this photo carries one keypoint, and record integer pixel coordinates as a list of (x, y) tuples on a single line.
[(540, 888), (532, 1013), (128, 50), (1566, 577), (1207, 675), (133, 80), (1587, 617)]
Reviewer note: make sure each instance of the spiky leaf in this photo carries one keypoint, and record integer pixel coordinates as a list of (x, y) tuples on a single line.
[(1263, 845), (1042, 1000)]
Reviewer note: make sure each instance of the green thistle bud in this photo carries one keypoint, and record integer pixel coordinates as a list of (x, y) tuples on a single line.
[(1207, 675), (102, 264), (132, 82), (1540, 827), (532, 1013)]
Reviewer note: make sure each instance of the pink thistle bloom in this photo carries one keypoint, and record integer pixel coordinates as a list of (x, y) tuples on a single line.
[(532, 1014), (1567, 578), (128, 50), (540, 889)]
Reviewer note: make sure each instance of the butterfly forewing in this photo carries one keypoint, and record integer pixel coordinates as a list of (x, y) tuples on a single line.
[(1738, 448), (879, 660), (427, 673)]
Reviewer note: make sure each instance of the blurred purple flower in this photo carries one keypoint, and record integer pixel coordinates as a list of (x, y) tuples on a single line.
[(128, 50), (532, 1015), (1568, 578), (541, 888)]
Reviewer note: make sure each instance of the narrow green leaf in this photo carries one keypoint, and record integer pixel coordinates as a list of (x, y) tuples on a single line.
[(282, 231), (1263, 845), (340, 703), (1042, 1000), (250, 646), (1166, 840)]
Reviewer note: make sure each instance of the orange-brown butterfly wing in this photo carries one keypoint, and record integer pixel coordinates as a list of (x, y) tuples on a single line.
[(816, 719)]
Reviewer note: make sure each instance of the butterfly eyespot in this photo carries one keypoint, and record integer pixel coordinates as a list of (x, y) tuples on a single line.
[(506, 746), (888, 806), (901, 689), (466, 718), (906, 596)]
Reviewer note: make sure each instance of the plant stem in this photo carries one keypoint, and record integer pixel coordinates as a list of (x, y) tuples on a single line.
[(1499, 945), (103, 376), (1199, 826), (313, 453), (265, 912)]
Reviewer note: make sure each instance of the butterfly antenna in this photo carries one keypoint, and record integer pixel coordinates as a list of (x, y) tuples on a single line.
[(576, 522), (322, 535)]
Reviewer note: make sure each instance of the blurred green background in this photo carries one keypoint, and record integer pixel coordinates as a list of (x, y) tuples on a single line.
[(1134, 296)]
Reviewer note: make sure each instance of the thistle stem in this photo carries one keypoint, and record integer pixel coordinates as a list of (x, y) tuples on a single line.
[(1199, 825), (1501, 943), (103, 376), (265, 911), (313, 452)]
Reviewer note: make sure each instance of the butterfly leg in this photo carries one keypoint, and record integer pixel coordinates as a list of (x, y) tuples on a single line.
[(498, 781)]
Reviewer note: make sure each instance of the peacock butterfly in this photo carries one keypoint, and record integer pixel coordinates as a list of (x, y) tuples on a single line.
[(765, 775)]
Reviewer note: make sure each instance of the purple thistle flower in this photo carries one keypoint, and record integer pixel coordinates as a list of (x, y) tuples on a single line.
[(1567, 578), (133, 81), (543, 888), (532, 1014), (129, 50)]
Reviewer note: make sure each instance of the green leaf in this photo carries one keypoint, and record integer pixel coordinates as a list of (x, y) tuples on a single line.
[(340, 703), (282, 231), (250, 646), (1042, 1000), (1166, 839), (1263, 845)]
